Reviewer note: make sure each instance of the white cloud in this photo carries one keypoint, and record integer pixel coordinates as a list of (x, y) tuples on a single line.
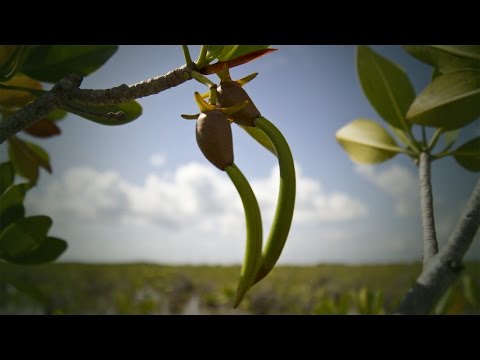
[(157, 160), (313, 204), (194, 196), (396, 181)]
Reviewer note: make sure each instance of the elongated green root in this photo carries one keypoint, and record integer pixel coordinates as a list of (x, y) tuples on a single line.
[(253, 252), (286, 199)]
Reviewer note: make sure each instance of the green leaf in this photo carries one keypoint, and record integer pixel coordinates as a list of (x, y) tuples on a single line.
[(436, 73), (443, 61), (227, 52), (468, 155), (402, 136), (245, 49), (57, 114), (132, 111), (7, 174), (386, 86), (11, 58), (260, 137), (451, 101), (24, 236), (224, 52), (366, 142), (11, 205), (450, 137), (40, 155), (27, 158), (213, 52), (51, 63), (470, 51), (14, 98), (48, 251)]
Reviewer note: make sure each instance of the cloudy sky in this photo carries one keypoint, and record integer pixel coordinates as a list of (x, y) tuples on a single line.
[(144, 191)]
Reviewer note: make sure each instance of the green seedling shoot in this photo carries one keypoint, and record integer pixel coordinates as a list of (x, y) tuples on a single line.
[(230, 103)]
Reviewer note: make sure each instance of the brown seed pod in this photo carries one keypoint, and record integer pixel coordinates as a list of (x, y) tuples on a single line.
[(214, 137), (230, 94)]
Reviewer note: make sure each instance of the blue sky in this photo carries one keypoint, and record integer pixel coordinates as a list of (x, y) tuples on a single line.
[(144, 191)]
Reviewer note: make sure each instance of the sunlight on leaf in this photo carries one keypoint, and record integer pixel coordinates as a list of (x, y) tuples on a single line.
[(18, 98), (386, 86), (366, 142), (451, 101)]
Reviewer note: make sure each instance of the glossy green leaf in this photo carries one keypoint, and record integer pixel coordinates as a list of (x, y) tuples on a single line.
[(386, 86), (11, 204), (132, 111), (7, 174), (51, 63), (260, 137), (468, 155), (366, 142), (48, 251), (451, 101), (27, 158), (443, 61), (24, 236)]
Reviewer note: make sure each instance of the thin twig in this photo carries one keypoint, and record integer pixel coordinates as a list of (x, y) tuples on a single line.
[(66, 92), (444, 268), (125, 93), (430, 245)]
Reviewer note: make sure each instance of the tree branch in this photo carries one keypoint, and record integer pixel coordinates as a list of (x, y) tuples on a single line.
[(444, 268), (60, 94), (430, 245), (125, 93), (67, 92)]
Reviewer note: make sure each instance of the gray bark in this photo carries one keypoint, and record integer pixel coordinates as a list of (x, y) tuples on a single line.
[(430, 245), (66, 93), (60, 94), (445, 267)]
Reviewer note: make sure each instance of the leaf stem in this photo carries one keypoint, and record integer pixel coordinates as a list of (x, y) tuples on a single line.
[(442, 154), (434, 139), (34, 92), (424, 137), (202, 57), (186, 54)]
